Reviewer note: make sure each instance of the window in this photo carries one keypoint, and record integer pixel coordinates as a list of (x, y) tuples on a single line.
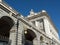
[(41, 24), (33, 22)]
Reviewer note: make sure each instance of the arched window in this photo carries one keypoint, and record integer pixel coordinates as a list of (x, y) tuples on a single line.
[(42, 40)]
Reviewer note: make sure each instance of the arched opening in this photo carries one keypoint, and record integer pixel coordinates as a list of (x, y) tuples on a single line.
[(29, 36), (6, 24), (41, 38)]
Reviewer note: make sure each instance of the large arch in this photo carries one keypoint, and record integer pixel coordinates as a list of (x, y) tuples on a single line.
[(6, 24), (29, 37)]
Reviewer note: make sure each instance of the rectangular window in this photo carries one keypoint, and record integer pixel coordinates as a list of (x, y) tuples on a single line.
[(41, 24)]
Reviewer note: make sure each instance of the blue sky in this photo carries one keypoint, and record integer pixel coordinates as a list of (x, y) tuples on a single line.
[(51, 6)]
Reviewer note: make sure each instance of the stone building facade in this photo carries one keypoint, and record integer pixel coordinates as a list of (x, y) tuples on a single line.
[(35, 29)]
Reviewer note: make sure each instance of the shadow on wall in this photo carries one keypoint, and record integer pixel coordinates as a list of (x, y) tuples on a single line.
[(6, 24)]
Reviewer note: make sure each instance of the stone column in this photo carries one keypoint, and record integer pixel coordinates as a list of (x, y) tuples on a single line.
[(13, 34), (47, 27), (12, 38), (20, 32), (35, 41)]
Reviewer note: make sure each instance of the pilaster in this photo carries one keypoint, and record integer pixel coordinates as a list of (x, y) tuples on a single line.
[(20, 33), (12, 37)]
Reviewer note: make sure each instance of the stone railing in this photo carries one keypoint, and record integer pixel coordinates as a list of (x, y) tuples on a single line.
[(4, 38)]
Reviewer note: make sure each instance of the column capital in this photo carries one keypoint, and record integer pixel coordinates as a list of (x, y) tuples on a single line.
[(12, 30)]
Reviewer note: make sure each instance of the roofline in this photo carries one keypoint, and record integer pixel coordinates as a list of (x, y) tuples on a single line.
[(5, 5), (43, 14)]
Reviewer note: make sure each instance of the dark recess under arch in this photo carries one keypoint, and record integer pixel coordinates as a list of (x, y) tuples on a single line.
[(29, 37), (6, 24)]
